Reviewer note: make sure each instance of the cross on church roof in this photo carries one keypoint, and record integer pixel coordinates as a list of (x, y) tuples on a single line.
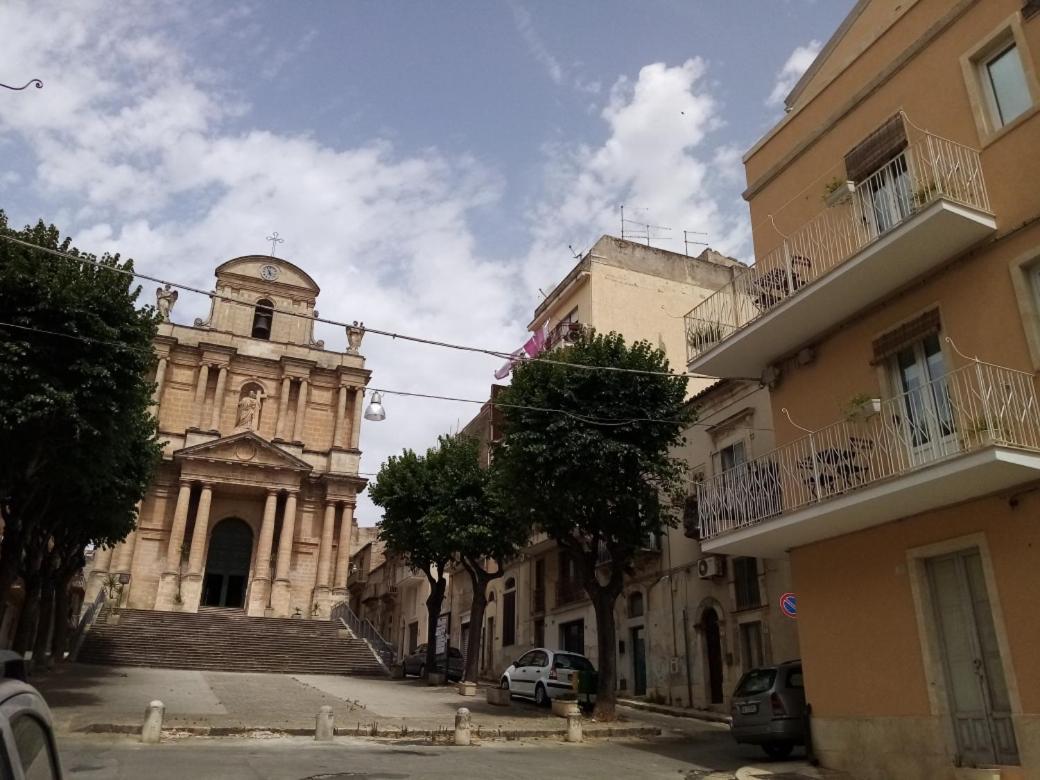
[(275, 241)]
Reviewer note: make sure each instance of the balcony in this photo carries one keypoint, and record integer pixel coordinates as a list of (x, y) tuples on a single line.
[(924, 207), (538, 600), (569, 592), (357, 577), (565, 332), (972, 432)]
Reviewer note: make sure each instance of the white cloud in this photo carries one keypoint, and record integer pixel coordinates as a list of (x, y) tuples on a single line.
[(656, 159), (554, 69), (799, 61)]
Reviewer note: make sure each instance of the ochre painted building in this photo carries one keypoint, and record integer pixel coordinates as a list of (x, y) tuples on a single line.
[(893, 310), (253, 504)]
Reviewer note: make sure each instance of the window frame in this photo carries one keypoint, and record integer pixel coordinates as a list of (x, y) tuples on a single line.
[(984, 65), (976, 77)]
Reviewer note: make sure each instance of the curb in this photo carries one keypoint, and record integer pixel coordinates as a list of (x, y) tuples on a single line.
[(710, 717), (374, 730)]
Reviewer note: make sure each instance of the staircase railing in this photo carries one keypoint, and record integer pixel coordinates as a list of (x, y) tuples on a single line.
[(364, 630), (86, 619)]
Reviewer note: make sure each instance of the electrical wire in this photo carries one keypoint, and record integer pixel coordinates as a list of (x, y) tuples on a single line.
[(603, 421), (500, 354)]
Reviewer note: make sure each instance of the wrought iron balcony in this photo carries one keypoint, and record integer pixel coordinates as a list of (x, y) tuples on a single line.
[(538, 600), (923, 207), (972, 432), (569, 592)]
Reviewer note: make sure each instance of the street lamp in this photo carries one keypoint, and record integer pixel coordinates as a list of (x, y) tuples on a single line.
[(375, 410)]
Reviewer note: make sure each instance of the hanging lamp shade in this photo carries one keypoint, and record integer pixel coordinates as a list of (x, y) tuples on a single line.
[(375, 410)]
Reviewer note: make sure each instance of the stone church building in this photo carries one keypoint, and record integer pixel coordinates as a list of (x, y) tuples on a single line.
[(253, 504)]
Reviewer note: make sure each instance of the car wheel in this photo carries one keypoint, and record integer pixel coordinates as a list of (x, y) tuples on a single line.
[(541, 698), (778, 749)]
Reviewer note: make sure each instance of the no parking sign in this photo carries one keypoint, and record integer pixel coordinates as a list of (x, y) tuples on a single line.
[(789, 605)]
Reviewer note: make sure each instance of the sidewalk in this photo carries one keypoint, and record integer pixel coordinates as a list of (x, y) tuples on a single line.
[(675, 712), (113, 699)]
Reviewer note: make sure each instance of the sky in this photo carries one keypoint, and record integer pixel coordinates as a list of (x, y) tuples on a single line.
[(430, 164)]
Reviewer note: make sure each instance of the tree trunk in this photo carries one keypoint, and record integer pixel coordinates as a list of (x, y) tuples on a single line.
[(27, 619), (10, 558), (433, 611), (476, 621), (42, 642), (603, 600), (62, 605)]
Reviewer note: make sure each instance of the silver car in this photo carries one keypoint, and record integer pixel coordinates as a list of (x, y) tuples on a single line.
[(543, 674), (26, 731), (769, 709)]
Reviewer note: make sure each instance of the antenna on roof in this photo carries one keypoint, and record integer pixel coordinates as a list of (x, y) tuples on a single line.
[(642, 231), (544, 295), (577, 255), (687, 240)]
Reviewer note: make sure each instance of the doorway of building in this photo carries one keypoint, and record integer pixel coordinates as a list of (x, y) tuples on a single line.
[(713, 649), (975, 684), (572, 636), (639, 661), (227, 564)]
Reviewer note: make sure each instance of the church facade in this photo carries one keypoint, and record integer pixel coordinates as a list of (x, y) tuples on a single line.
[(253, 504)]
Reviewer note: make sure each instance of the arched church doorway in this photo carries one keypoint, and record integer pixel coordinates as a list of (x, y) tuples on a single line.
[(713, 648), (227, 564)]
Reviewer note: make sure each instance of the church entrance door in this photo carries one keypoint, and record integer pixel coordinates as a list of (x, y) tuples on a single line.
[(227, 564)]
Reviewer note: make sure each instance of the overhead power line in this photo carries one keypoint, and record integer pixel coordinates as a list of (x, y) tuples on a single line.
[(500, 354)]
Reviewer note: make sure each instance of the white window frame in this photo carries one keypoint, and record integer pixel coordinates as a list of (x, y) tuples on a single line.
[(976, 75), (996, 118)]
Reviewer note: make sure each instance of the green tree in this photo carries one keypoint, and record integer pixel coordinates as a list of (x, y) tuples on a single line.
[(597, 478), (483, 537), (78, 442), (414, 531)]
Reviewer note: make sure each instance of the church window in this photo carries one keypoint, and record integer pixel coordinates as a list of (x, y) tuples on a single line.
[(262, 316)]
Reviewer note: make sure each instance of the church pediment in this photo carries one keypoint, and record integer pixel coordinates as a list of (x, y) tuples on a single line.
[(245, 448)]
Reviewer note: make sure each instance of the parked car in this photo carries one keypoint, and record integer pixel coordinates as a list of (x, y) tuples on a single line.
[(769, 708), (26, 729), (415, 663), (543, 674)]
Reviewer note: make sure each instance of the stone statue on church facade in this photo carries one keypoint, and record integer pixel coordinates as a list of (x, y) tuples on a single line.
[(249, 407), (165, 297), (355, 333)]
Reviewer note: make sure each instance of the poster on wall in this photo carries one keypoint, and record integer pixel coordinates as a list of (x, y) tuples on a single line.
[(443, 622)]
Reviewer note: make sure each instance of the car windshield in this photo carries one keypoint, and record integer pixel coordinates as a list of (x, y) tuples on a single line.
[(756, 681), (581, 663)]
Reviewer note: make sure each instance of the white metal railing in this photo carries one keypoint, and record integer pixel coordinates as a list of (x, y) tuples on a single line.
[(970, 408), (929, 168), (364, 630)]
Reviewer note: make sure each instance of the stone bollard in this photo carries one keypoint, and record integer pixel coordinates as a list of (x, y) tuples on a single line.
[(574, 728), (324, 726), (462, 726), (151, 731)]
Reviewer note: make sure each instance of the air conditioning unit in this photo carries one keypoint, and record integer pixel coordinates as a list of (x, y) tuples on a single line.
[(711, 566)]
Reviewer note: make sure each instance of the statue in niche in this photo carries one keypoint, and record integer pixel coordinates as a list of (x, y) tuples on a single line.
[(355, 333), (165, 297), (249, 411)]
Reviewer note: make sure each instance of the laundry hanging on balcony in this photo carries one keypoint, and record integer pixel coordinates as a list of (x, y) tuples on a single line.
[(531, 348)]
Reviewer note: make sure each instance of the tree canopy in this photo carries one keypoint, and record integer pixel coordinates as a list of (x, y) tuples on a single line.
[(597, 475)]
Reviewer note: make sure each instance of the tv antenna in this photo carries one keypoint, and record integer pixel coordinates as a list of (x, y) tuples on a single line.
[(687, 241), (639, 230), (576, 254)]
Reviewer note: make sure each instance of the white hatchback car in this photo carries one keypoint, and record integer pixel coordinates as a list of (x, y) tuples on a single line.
[(544, 674)]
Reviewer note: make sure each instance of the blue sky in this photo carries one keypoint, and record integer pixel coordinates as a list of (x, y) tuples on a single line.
[(427, 162)]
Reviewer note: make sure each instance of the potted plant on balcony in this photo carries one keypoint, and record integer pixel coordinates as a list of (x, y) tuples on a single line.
[(924, 193), (861, 407), (837, 191), (703, 336), (982, 432)]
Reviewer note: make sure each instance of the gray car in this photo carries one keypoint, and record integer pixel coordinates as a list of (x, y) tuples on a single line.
[(769, 708), (28, 750), (415, 663)]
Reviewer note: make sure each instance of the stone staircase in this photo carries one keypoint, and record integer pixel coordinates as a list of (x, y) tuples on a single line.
[(225, 640)]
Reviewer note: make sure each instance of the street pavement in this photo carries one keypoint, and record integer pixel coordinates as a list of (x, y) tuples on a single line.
[(288, 758)]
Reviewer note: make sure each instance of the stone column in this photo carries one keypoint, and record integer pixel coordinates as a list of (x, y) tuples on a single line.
[(301, 410), (341, 414), (322, 593), (218, 399), (200, 395), (346, 529), (282, 592), (259, 588), (169, 581), (160, 378), (98, 572), (191, 589), (283, 408), (359, 405)]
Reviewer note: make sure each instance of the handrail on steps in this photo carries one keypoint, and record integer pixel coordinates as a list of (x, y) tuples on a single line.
[(86, 620), (364, 630)]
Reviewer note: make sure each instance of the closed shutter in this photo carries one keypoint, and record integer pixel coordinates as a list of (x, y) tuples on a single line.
[(909, 332), (876, 149)]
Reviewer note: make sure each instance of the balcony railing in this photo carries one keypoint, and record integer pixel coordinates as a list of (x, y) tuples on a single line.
[(565, 332), (973, 407), (569, 592), (538, 600), (928, 169)]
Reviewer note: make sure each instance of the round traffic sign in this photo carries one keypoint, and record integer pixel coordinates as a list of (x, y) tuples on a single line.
[(789, 605)]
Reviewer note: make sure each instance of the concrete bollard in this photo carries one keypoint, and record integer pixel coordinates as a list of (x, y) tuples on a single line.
[(151, 731), (462, 726), (574, 728), (324, 726)]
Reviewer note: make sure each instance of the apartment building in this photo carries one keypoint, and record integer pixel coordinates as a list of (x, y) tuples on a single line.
[(685, 632), (893, 311)]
